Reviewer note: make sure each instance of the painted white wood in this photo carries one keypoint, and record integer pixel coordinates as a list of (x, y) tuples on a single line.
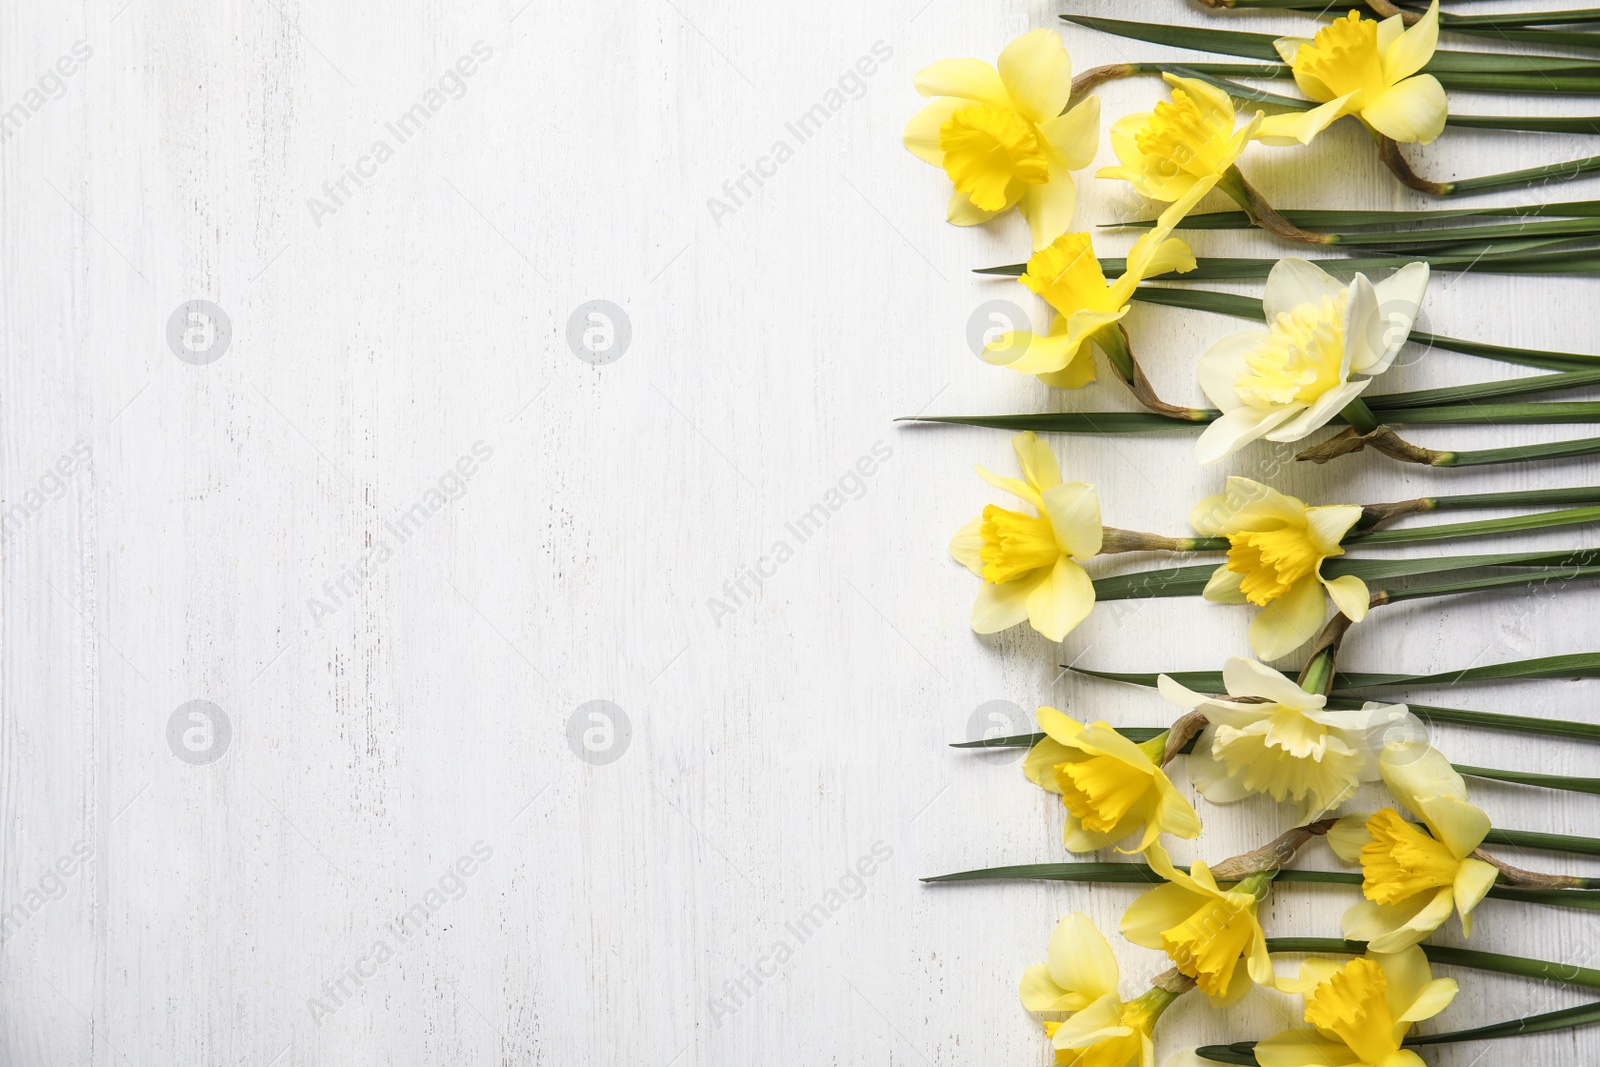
[(192, 542)]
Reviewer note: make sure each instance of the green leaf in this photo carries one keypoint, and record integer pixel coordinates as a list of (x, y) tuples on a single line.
[(1571, 665), (1577, 494), (1337, 220), (1520, 966), (1455, 394), (1565, 783), (1557, 577), (1141, 874), (1066, 422), (1585, 446), (1259, 46), (1191, 580), (1538, 520), (1578, 846)]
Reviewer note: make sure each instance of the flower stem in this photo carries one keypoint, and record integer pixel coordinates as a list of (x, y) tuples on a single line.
[(1113, 341), (1521, 966), (1263, 214), (1389, 153)]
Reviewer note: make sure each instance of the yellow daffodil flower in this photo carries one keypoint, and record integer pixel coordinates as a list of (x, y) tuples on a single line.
[(1274, 738), (1082, 977), (1003, 134), (1362, 1011), (1206, 930), (1189, 139), (1068, 276), (1413, 880), (1290, 378), (1276, 546), (1370, 70), (1032, 565), (1111, 787)]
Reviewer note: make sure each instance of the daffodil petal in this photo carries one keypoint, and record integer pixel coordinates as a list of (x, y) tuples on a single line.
[(1223, 364), (1414, 771), (1399, 301), (1015, 486), (1294, 282), (1460, 824), (1037, 74), (1472, 884), (1073, 509), (1225, 587), (1329, 523), (1430, 1001), (1074, 137), (1289, 621), (921, 136), (1300, 127), (1042, 759), (961, 211), (1349, 594), (1349, 836), (1157, 909), (1049, 207), (1313, 418), (1412, 112), (966, 545), (1097, 1022), (1000, 607), (1061, 601), (1237, 428), (1412, 50), (1081, 960), (1038, 461), (969, 79), (1245, 677), (1304, 1048)]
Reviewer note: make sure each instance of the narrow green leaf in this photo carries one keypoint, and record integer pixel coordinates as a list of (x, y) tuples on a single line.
[(1520, 966), (1562, 782), (1578, 846), (1577, 494), (1338, 220), (1558, 578), (1455, 394), (1259, 46), (1141, 874), (1586, 446), (1538, 520), (1066, 422), (1571, 665)]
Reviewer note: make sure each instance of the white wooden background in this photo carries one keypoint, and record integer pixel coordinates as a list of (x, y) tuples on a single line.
[(378, 739)]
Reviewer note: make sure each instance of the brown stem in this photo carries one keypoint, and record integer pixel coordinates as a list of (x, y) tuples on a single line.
[(1389, 10), (1173, 981), (1183, 731), (1096, 76), (1115, 540), (1271, 856), (1376, 515), (1382, 439), (1521, 879), (1389, 153), (1328, 642), (1263, 214)]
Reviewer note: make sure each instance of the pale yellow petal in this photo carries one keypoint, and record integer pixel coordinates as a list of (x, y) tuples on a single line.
[(1413, 111), (1300, 127), (1039, 992), (1349, 594), (1349, 836), (1290, 621), (1411, 51), (1294, 282), (1472, 884), (1081, 960), (1049, 207), (1074, 138), (1061, 601), (969, 79), (1042, 759), (1038, 462), (1037, 74), (1000, 607), (1304, 1048), (1328, 525), (1073, 509), (1414, 771), (1430, 1000), (1015, 486), (966, 545), (921, 136), (1156, 910)]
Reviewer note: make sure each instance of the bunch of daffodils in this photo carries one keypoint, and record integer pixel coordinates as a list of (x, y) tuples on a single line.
[(1272, 737), (1081, 977), (1370, 70), (1005, 136), (1276, 545), (1361, 1011), (1111, 787), (1210, 933), (1032, 565), (1289, 379), (1414, 877)]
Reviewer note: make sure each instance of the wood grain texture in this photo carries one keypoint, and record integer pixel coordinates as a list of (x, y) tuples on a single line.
[(214, 532)]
